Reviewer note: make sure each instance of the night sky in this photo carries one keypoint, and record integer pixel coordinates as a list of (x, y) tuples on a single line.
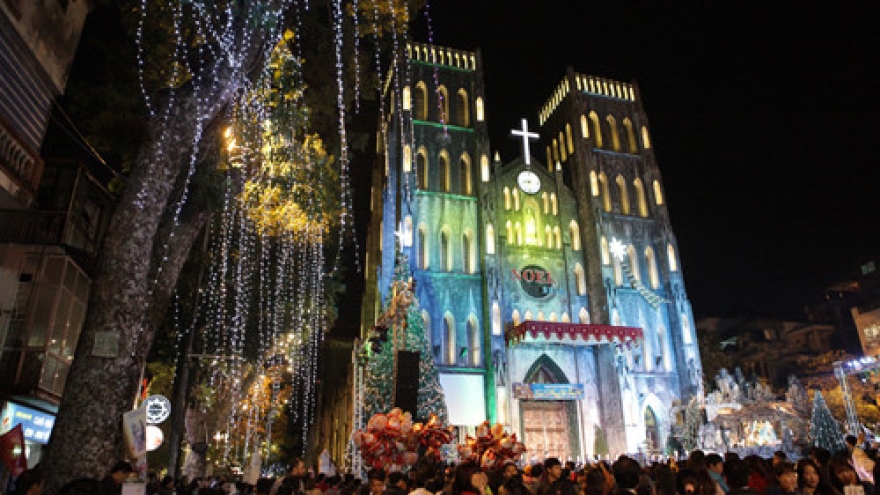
[(763, 118)]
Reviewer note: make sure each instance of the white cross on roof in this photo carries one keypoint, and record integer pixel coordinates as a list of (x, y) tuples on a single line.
[(526, 137)]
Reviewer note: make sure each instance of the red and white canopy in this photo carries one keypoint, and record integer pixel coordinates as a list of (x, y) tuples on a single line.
[(572, 333)]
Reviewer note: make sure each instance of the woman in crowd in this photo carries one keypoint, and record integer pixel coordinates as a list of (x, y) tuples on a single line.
[(810, 479), (470, 480)]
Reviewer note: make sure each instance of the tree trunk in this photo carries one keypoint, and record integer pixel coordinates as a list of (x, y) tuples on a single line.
[(87, 436)]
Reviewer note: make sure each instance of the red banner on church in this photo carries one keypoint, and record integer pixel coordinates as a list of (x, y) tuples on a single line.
[(573, 333)]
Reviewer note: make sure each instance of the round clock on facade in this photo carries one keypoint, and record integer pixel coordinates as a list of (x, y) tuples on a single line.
[(528, 181)]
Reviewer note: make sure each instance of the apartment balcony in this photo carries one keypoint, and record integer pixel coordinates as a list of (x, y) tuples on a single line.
[(20, 168)]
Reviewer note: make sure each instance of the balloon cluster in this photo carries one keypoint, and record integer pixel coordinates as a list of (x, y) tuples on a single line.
[(391, 441), (492, 446)]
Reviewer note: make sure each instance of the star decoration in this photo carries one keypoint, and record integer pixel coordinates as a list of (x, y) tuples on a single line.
[(617, 248)]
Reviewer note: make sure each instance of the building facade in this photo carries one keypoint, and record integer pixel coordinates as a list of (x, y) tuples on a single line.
[(551, 288)]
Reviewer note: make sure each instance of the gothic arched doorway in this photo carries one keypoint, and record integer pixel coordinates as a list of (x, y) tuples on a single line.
[(549, 426), (652, 431)]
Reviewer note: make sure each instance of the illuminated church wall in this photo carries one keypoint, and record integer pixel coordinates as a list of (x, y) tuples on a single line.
[(491, 246)]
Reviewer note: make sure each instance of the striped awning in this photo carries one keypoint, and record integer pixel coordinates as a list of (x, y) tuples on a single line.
[(572, 333)]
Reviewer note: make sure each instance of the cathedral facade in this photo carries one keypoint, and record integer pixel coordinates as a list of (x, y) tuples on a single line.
[(550, 285)]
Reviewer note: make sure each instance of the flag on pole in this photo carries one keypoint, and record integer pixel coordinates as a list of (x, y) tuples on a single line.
[(12, 452)]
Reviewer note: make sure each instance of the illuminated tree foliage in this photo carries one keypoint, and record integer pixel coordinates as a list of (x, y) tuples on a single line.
[(824, 429)]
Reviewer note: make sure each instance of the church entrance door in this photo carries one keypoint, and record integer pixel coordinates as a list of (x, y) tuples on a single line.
[(545, 427)]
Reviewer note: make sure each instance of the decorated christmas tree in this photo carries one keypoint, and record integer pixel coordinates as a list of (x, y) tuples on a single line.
[(824, 429), (402, 312)]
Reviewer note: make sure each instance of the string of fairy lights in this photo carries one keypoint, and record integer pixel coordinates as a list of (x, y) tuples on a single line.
[(263, 310)]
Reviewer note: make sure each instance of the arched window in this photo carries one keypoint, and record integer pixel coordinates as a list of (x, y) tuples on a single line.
[(443, 165), (597, 130), (465, 166), (562, 151), (580, 279), (557, 234), (549, 158), (673, 260), (594, 183), (506, 198), (615, 138), (686, 335), (565, 318), (553, 316), (406, 237), (407, 103), (407, 159), (420, 101), (532, 235), (606, 198), (653, 276), (575, 235), (516, 199), (445, 252), (606, 254), (426, 322), (528, 315), (647, 354), (510, 235), (658, 193), (490, 239), (481, 114), (585, 128), (641, 201), (467, 252), (555, 148), (476, 351), (548, 237), (443, 104), (516, 318), (496, 318), (633, 262), (545, 200), (423, 247), (554, 206), (449, 334), (618, 271), (624, 195), (584, 316), (568, 141), (422, 169), (632, 146), (517, 229), (540, 316), (663, 348), (462, 112), (646, 141), (484, 167)]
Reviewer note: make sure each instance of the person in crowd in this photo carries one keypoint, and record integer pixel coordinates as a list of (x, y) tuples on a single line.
[(786, 479), (513, 486), (844, 477), (760, 477), (263, 486), (375, 482), (29, 482), (863, 465), (166, 486), (715, 465), (81, 486), (738, 473), (398, 484), (469, 479), (112, 483), (422, 474), (295, 477), (554, 482), (778, 456), (626, 472), (532, 477), (664, 479), (810, 479)]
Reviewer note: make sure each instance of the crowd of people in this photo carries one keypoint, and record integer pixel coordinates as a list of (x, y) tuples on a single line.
[(851, 471)]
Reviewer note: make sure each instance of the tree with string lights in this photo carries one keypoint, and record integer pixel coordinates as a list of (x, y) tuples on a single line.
[(403, 311), (824, 429)]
